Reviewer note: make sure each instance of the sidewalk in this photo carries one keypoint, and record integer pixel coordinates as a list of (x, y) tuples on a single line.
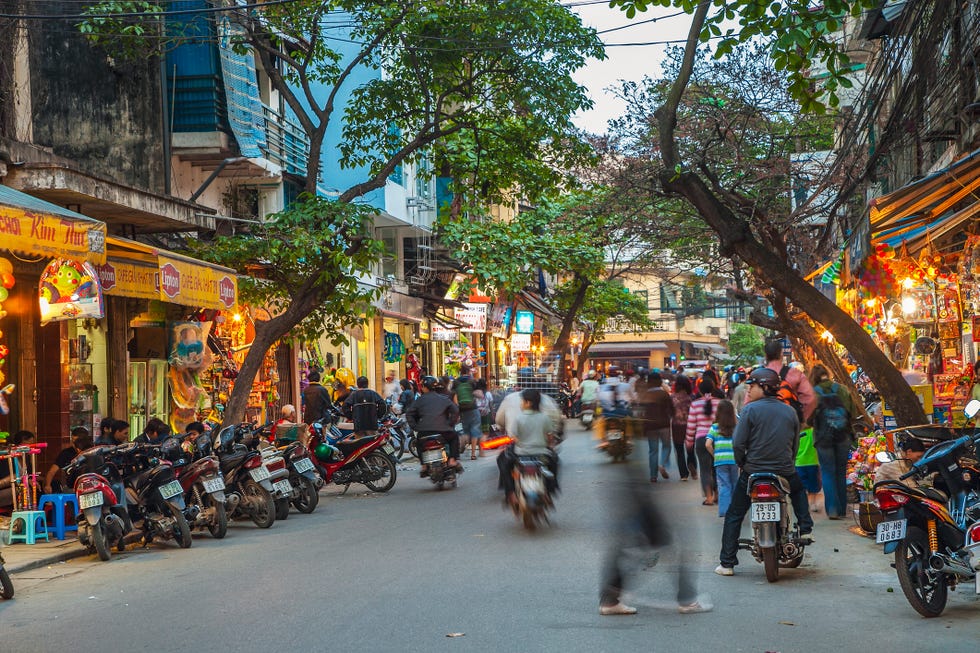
[(19, 557)]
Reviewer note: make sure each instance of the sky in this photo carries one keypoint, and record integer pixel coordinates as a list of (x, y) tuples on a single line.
[(623, 62)]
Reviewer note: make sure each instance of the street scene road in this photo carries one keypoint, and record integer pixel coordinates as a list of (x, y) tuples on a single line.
[(422, 570)]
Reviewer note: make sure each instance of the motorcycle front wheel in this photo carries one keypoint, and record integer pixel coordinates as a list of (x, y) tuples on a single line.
[(770, 562), (308, 497), (100, 543), (925, 589), (263, 506), (182, 530), (6, 586), (379, 460)]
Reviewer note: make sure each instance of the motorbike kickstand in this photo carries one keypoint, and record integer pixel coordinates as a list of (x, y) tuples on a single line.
[(346, 487)]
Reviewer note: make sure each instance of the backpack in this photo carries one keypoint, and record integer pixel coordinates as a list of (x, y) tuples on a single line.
[(364, 411), (787, 395), (833, 424), (464, 395)]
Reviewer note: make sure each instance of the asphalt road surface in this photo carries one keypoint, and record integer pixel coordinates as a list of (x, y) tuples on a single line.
[(423, 570)]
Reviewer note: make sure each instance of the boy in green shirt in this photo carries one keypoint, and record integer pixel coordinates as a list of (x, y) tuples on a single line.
[(808, 468)]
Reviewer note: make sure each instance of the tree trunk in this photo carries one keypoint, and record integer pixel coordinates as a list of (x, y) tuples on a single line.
[(735, 235), (568, 323), (583, 359)]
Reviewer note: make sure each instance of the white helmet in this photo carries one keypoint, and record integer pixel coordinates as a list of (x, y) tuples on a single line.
[(591, 374)]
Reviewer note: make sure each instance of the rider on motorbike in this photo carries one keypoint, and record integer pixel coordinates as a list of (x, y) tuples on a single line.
[(765, 440), (435, 413), (534, 431), (588, 391)]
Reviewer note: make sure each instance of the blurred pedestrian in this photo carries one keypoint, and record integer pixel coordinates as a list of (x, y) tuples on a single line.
[(653, 409), (699, 421), (687, 463)]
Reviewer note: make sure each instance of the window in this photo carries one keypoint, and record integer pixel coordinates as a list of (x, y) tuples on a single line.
[(389, 262)]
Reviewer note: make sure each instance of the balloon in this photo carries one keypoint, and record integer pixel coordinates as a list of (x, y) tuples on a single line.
[(3, 294), (7, 280), (6, 266)]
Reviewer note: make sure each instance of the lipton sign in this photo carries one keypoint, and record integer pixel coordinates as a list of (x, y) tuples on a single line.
[(193, 283)]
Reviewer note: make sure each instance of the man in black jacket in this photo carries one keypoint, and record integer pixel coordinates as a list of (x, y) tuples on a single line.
[(316, 400), (365, 407), (433, 413)]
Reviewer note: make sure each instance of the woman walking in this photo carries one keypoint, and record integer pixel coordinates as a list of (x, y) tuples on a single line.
[(699, 421), (687, 464)]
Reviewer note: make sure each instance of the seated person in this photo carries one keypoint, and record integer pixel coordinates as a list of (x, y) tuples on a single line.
[(911, 450), (534, 433), (156, 432), (287, 418), (54, 480)]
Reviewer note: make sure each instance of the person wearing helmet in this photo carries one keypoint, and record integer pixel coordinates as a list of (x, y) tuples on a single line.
[(435, 413), (588, 390), (766, 439)]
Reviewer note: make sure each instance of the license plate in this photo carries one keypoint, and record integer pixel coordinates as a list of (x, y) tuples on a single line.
[(615, 435), (259, 473), (282, 487), (170, 490), (889, 531), (765, 511), (532, 483), (215, 484), (387, 448), (432, 456), (303, 465), (90, 500)]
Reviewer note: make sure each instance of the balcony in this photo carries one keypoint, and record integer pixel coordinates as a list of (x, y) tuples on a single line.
[(287, 145)]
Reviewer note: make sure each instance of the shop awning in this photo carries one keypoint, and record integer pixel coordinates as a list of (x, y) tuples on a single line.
[(34, 227), (135, 269), (401, 317), (536, 304), (928, 199), (709, 346)]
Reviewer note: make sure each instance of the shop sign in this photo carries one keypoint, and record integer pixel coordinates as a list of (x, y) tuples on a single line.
[(129, 279), (520, 342), (474, 316), (48, 235), (424, 330), (975, 321), (194, 284), (69, 290), (524, 323), (444, 334)]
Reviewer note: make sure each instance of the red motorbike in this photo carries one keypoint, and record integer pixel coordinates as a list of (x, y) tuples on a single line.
[(199, 473), (365, 460), (102, 518)]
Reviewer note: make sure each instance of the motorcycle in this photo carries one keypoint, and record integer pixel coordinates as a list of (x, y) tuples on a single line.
[(247, 487), (365, 460), (199, 473), (434, 454), (401, 435), (616, 440), (566, 400), (102, 519), (6, 586), (154, 496), (773, 542), (302, 476), (533, 485), (936, 543), (587, 416)]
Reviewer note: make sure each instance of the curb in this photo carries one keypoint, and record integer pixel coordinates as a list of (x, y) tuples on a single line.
[(61, 556)]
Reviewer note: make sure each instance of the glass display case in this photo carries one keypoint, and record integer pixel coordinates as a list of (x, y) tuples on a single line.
[(147, 394), (82, 395)]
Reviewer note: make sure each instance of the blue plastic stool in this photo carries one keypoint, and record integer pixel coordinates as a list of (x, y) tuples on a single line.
[(31, 531), (58, 503)]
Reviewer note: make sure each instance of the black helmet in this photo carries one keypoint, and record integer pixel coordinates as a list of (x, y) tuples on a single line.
[(430, 382), (767, 378)]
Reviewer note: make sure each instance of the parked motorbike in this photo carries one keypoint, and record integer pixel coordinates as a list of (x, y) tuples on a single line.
[(401, 436), (433, 449), (936, 542), (248, 489), (102, 519), (302, 476), (774, 543), (154, 496), (566, 400), (616, 440), (6, 586), (533, 485), (365, 460), (199, 473)]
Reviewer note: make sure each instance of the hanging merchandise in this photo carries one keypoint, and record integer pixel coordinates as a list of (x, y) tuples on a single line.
[(6, 283), (68, 290), (413, 369), (394, 348), (188, 358), (832, 273)]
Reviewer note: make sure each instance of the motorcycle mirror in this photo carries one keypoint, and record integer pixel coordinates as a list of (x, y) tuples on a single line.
[(972, 408), (884, 456)]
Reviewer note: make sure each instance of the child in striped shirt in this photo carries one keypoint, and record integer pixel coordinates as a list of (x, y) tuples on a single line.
[(719, 443)]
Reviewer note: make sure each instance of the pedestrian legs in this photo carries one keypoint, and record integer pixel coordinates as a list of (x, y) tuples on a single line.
[(678, 435), (727, 477), (734, 517), (801, 504), (653, 457), (706, 463)]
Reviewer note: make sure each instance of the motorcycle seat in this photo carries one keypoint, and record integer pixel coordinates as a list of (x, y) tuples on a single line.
[(769, 476), (347, 447), (232, 460), (922, 492)]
